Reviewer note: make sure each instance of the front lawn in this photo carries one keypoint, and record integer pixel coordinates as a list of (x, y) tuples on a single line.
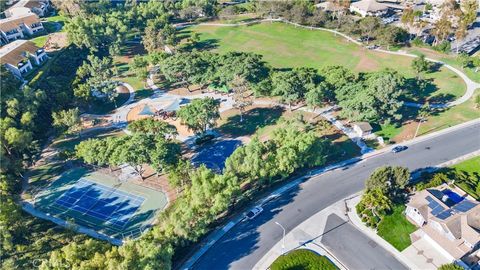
[(472, 184), (396, 229), (302, 259)]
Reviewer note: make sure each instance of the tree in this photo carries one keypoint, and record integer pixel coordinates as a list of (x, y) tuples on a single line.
[(461, 32), (103, 32), (200, 114), (368, 25), (442, 29), (469, 11), (139, 66), (465, 60), (408, 19), (154, 127), (390, 180), (315, 96), (242, 98), (423, 114), (375, 98), (67, 120), (420, 65), (376, 201)]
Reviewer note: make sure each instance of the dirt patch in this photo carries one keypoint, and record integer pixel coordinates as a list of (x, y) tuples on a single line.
[(366, 63), (407, 132), (56, 41), (183, 91)]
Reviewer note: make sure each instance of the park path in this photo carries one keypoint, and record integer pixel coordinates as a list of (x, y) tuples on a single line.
[(471, 86)]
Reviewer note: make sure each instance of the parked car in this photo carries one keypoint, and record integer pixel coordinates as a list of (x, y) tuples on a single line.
[(253, 212), (372, 47), (399, 148)]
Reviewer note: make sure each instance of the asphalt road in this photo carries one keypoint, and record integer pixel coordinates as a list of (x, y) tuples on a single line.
[(245, 244), (354, 249)]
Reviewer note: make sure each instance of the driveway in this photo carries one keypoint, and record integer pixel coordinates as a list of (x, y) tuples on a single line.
[(354, 249)]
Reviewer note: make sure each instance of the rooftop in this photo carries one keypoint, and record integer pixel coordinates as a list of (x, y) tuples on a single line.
[(14, 52), (369, 5), (15, 21)]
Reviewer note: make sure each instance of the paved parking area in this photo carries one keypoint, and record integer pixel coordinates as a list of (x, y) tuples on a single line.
[(355, 249)]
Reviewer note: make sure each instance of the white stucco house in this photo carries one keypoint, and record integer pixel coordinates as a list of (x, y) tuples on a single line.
[(16, 27), (39, 7), (19, 56), (449, 220)]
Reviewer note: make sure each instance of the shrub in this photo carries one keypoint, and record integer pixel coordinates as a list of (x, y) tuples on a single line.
[(302, 259)]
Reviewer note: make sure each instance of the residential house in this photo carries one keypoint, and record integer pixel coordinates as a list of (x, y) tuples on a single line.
[(18, 56), (14, 28), (39, 7), (369, 8), (363, 129), (449, 220)]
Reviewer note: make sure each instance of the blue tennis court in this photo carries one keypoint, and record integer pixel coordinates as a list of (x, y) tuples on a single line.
[(107, 204), (213, 156)]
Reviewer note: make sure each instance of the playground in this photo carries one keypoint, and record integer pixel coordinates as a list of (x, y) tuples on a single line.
[(100, 202)]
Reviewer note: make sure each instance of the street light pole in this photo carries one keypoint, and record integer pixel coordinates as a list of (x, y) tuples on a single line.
[(283, 238)]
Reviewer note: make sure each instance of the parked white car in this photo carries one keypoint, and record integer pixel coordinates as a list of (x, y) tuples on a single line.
[(253, 212)]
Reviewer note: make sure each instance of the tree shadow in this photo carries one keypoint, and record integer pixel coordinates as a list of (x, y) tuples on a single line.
[(435, 67), (418, 91), (252, 120), (203, 45), (442, 98)]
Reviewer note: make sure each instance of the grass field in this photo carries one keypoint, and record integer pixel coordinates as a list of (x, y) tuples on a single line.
[(470, 166), (285, 46), (396, 229), (302, 259)]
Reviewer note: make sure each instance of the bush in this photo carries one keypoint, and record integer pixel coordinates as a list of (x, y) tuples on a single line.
[(302, 259), (443, 47)]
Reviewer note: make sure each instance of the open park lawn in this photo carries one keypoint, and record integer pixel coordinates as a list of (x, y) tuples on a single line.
[(449, 59), (396, 229), (286, 46), (125, 74), (439, 120), (302, 259)]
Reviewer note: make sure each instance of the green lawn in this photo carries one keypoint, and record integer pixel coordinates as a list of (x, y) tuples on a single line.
[(470, 166), (285, 46), (396, 229), (302, 259), (470, 185), (40, 41)]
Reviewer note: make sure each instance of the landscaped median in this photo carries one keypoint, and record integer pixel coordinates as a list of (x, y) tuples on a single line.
[(302, 259)]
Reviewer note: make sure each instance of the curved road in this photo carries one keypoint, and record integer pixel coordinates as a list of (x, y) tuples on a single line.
[(245, 244)]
